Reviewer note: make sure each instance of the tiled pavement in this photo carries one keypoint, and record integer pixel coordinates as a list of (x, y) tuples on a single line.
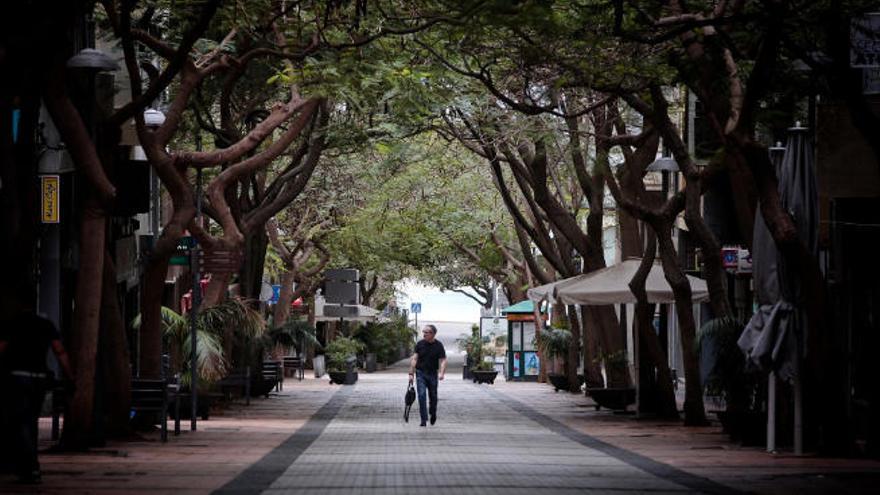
[(508, 438)]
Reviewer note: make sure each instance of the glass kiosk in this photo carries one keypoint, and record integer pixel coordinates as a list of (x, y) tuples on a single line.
[(523, 361)]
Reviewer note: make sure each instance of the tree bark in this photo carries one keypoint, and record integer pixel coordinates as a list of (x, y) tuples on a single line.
[(654, 357), (282, 307), (80, 419), (694, 411), (114, 357), (574, 354)]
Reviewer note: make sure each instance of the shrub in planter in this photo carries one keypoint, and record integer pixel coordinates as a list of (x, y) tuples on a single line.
[(728, 378), (339, 354), (553, 343)]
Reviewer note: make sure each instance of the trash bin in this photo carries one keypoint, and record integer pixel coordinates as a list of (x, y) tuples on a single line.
[(370, 364), (318, 364)]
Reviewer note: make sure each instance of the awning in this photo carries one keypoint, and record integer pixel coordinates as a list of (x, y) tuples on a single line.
[(358, 312), (611, 286)]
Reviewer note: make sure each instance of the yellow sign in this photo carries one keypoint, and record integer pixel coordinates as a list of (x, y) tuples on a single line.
[(49, 185)]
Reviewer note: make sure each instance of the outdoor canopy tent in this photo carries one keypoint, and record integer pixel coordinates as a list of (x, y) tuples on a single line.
[(611, 286)]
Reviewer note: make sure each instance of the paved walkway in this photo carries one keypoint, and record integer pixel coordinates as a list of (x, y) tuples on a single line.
[(509, 438)]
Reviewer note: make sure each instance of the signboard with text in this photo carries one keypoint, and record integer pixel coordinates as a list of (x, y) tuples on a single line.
[(49, 191)]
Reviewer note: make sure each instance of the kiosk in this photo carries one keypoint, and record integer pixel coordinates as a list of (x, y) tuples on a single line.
[(523, 361)]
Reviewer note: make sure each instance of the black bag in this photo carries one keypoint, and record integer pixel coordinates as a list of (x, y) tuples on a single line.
[(408, 400)]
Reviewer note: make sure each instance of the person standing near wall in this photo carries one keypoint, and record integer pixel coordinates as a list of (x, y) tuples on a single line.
[(25, 338)]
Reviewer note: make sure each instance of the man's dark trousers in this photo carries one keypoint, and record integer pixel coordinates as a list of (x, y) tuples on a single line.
[(426, 381)]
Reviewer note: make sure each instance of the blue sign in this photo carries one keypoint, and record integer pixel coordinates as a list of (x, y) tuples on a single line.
[(415, 308), (276, 293)]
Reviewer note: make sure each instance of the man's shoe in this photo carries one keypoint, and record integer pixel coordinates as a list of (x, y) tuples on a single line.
[(433, 419), (422, 424)]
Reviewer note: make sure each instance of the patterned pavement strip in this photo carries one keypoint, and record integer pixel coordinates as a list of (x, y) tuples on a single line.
[(508, 438)]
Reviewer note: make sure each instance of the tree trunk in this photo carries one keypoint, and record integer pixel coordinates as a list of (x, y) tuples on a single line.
[(694, 411), (613, 348), (113, 352), (592, 369), (660, 396), (251, 274), (79, 419), (574, 355), (150, 334), (215, 291), (282, 308)]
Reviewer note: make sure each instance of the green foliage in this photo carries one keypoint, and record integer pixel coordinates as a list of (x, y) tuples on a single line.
[(341, 349), (553, 342), (386, 340), (295, 332)]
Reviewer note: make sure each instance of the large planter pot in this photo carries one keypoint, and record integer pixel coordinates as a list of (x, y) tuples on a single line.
[(343, 377), (484, 376), (560, 382), (615, 399)]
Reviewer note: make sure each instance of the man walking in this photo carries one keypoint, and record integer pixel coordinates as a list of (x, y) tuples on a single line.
[(428, 365)]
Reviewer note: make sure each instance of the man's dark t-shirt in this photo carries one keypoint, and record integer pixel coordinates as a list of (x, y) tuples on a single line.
[(429, 356), (29, 337)]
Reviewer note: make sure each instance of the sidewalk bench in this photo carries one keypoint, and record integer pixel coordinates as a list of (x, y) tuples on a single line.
[(240, 380), (293, 366), (273, 371), (152, 396)]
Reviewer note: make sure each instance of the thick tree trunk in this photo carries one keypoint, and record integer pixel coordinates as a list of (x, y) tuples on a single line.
[(694, 411), (282, 308), (592, 368), (80, 417), (113, 352), (251, 274), (574, 355), (150, 334), (659, 396), (215, 291), (613, 347)]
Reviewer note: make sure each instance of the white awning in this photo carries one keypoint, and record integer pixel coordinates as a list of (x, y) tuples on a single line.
[(611, 286)]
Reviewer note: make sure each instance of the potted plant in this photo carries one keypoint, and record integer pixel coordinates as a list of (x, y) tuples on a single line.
[(614, 398), (480, 370), (211, 364), (729, 380), (342, 359), (553, 343)]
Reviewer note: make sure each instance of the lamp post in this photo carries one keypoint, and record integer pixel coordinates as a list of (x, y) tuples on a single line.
[(196, 301)]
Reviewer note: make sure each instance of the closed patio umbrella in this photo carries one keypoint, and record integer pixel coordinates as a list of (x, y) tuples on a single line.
[(773, 339)]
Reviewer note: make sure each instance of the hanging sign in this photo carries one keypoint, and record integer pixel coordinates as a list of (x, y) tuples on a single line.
[(49, 190), (865, 41)]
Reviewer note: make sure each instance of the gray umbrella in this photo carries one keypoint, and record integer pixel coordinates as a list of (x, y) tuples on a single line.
[(771, 338)]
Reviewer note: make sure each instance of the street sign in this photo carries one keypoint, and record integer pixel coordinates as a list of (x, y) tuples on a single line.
[(415, 308), (221, 261), (181, 256), (49, 186)]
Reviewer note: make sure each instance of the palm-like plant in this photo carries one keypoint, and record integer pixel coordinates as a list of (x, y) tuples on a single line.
[(295, 333), (210, 362), (553, 343)]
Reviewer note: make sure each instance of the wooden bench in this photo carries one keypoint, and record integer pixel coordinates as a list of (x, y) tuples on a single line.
[(273, 370), (240, 380), (152, 396), (294, 366)]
